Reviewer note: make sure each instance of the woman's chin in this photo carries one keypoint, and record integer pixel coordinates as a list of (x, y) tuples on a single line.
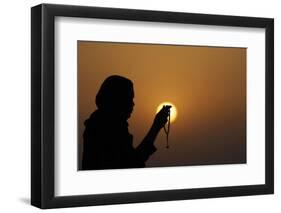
[(129, 114)]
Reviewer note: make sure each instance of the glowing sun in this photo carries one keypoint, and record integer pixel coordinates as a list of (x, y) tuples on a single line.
[(173, 110)]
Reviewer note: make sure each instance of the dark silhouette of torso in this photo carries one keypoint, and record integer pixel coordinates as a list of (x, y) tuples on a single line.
[(109, 145)]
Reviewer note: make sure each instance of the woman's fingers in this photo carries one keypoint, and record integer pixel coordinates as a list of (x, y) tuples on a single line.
[(166, 110), (165, 113), (162, 116)]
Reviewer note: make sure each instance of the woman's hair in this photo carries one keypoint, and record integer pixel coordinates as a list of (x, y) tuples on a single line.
[(113, 90)]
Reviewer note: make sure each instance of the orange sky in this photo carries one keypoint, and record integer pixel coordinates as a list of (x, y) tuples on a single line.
[(206, 84)]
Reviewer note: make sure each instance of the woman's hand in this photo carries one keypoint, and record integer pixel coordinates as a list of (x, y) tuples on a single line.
[(160, 120), (161, 117)]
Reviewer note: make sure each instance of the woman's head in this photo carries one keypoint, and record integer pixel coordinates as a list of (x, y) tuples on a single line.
[(116, 96)]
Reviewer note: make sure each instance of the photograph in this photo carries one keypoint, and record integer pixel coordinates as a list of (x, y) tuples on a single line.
[(135, 105), (157, 105)]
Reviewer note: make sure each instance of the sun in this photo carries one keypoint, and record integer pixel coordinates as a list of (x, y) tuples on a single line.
[(173, 112)]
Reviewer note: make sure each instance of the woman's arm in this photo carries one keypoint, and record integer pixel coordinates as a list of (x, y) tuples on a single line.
[(146, 147)]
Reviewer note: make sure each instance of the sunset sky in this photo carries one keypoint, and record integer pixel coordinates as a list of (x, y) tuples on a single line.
[(206, 84)]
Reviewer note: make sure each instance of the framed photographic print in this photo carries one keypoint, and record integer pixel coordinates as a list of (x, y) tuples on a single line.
[(140, 106)]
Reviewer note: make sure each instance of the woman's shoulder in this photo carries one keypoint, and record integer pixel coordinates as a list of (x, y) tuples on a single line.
[(92, 122), (99, 121)]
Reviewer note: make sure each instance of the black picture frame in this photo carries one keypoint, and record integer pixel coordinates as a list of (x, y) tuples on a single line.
[(42, 105)]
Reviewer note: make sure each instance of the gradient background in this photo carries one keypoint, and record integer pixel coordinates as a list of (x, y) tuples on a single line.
[(206, 84)]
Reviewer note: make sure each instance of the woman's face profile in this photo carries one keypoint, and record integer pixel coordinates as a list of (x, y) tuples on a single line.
[(127, 103), (116, 97)]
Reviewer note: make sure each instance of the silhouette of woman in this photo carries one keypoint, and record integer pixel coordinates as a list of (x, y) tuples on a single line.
[(107, 141)]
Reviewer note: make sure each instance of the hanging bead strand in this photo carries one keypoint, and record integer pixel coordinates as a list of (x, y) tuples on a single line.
[(167, 131)]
